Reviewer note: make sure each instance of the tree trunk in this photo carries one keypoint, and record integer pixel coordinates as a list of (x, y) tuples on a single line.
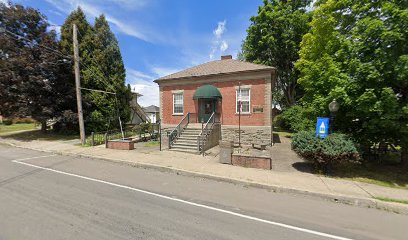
[(43, 126), (290, 93)]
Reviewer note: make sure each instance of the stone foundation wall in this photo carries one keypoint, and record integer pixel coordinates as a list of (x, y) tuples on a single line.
[(214, 138), (249, 134)]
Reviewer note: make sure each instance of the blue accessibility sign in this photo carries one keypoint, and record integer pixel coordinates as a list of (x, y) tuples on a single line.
[(322, 127)]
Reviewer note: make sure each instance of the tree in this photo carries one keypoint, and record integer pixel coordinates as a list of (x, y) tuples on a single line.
[(274, 39), (101, 68), (105, 71), (31, 65), (84, 28), (357, 52)]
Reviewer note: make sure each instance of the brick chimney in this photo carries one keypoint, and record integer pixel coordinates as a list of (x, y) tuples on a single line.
[(226, 57)]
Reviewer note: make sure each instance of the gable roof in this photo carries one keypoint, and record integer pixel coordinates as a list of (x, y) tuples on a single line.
[(216, 67), (151, 109)]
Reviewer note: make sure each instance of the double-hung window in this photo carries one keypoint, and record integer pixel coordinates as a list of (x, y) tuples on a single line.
[(178, 103), (245, 97)]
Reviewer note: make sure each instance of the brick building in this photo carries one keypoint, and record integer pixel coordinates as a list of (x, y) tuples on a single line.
[(213, 87)]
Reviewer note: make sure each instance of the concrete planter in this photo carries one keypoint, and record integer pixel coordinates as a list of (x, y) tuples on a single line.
[(251, 161), (120, 144)]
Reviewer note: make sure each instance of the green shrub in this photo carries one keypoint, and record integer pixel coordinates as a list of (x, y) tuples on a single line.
[(24, 120), (327, 152), (7, 121), (295, 119), (146, 127)]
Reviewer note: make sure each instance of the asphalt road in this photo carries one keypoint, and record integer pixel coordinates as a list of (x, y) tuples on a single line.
[(64, 197)]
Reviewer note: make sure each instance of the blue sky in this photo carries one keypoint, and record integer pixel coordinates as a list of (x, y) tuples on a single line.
[(159, 37)]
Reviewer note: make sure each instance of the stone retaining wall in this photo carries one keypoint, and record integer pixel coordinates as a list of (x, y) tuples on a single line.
[(249, 134)]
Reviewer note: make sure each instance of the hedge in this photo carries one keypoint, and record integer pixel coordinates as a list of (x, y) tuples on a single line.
[(327, 152)]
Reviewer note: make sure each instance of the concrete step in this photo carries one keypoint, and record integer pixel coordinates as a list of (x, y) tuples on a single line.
[(185, 144), (188, 138), (188, 141), (190, 134), (175, 146), (193, 128), (183, 150)]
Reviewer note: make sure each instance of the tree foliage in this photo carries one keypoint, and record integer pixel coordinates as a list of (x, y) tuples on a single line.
[(33, 72), (295, 119), (357, 52), (274, 38), (101, 68)]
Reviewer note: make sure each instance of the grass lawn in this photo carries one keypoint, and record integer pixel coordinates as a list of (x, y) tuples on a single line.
[(391, 200), (36, 134), (387, 175), (152, 144), (7, 129)]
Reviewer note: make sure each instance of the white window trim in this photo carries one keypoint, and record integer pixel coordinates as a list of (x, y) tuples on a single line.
[(249, 100), (178, 93)]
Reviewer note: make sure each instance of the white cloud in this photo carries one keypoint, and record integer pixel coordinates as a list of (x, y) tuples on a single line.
[(219, 44), (126, 28), (220, 29), (5, 2), (94, 9), (142, 83), (223, 46), (150, 94), (55, 27), (129, 4), (55, 12), (164, 71), (134, 74)]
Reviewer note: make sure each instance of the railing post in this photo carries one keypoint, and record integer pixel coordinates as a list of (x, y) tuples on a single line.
[(188, 117), (92, 139), (106, 140), (198, 144)]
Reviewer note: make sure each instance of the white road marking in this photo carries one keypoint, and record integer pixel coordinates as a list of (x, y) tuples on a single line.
[(24, 159), (322, 234)]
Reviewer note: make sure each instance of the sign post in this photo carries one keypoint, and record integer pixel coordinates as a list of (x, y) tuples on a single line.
[(322, 127)]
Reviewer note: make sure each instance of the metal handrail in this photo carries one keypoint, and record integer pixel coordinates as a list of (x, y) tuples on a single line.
[(205, 130), (177, 130)]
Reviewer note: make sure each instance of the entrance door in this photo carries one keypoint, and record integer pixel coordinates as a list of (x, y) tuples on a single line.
[(207, 107)]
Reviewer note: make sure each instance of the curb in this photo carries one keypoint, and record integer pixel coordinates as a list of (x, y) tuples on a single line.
[(354, 201)]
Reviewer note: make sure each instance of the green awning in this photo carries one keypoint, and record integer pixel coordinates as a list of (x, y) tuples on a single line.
[(207, 91)]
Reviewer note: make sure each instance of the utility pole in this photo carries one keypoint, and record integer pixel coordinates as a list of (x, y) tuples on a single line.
[(78, 86)]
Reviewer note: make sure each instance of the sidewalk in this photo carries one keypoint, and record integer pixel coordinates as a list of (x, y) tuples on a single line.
[(349, 192)]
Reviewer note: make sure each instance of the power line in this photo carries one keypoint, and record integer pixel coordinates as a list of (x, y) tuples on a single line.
[(108, 86), (19, 38), (105, 81), (95, 90), (69, 58)]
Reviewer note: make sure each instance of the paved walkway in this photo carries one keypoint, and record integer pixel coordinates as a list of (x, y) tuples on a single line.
[(350, 192)]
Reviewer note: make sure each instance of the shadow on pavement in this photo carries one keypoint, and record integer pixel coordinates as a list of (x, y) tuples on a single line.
[(27, 136)]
